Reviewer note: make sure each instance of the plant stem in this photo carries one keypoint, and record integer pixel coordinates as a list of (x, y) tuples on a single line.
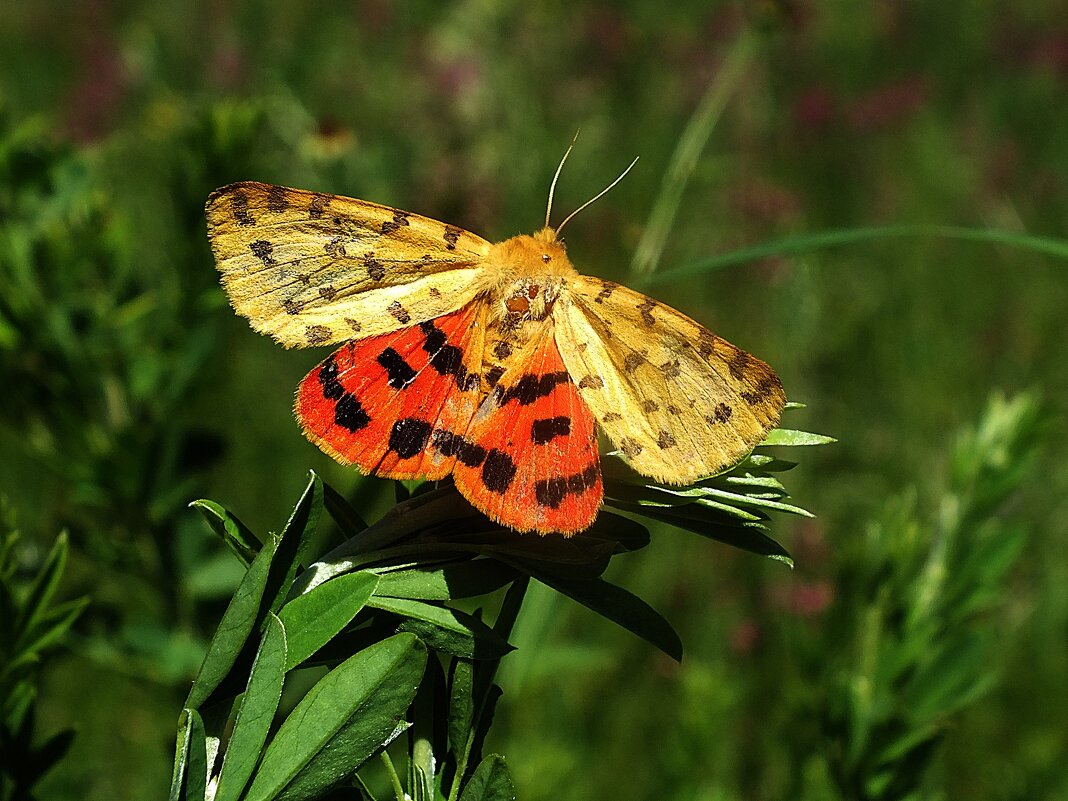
[(398, 791)]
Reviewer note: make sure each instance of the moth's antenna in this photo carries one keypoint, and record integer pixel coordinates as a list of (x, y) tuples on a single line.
[(595, 197), (552, 186)]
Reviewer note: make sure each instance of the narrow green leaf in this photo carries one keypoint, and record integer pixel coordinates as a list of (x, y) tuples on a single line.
[(313, 619), (181, 754), (255, 713), (735, 498), (789, 437), (490, 782), (44, 586), (461, 706), (444, 629), (46, 629), (709, 523), (195, 787), (238, 621), (294, 542), (345, 718), (190, 759), (465, 579), (229, 528), (823, 239), (622, 607)]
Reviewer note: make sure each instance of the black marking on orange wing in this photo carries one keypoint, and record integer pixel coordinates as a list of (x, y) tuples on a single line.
[(452, 233), (375, 270), (348, 413), (318, 205), (400, 219), (546, 430), (328, 379), (399, 374), (551, 492), (277, 199), (498, 471), (262, 250), (493, 375), (447, 359), (239, 208), (409, 436), (450, 444), (531, 387)]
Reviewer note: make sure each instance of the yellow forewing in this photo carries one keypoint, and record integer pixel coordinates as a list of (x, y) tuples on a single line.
[(679, 401), (315, 269)]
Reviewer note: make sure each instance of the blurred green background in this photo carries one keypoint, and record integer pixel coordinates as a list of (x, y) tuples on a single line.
[(129, 387)]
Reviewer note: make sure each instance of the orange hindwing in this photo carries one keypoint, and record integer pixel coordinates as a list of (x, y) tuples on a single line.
[(538, 446), (391, 404)]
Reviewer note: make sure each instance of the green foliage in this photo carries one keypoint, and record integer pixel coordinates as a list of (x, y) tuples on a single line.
[(904, 639), (368, 610), (31, 626)]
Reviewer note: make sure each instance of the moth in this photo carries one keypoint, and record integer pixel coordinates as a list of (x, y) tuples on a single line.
[(495, 363)]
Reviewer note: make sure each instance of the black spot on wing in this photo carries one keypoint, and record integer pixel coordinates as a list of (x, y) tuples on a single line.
[(531, 387), (375, 270), (445, 358), (452, 233), (399, 373), (239, 208), (409, 436), (262, 250), (552, 491), (277, 199), (318, 206), (349, 414), (317, 334), (498, 471), (328, 380), (545, 431), (450, 444), (400, 219)]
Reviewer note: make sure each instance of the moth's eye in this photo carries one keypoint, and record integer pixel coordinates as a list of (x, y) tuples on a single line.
[(545, 257), (517, 304)]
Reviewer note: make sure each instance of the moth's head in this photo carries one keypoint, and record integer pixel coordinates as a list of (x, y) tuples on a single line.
[(529, 272)]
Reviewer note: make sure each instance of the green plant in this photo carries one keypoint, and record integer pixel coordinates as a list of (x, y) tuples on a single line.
[(31, 626), (387, 614)]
